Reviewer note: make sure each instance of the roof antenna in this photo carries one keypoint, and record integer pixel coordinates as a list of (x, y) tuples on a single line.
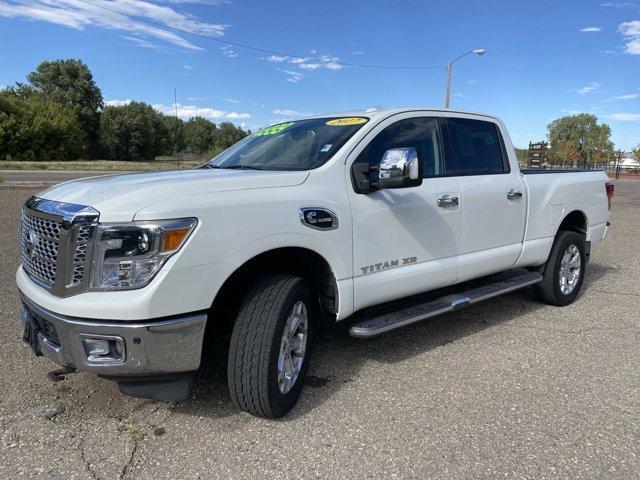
[(175, 106)]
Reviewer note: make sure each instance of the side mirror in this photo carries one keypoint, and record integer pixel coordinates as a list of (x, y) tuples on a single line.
[(400, 168)]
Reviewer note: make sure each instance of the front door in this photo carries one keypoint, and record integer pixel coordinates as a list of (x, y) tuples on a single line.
[(405, 240)]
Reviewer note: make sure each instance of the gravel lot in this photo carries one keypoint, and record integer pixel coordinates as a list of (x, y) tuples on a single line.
[(509, 388)]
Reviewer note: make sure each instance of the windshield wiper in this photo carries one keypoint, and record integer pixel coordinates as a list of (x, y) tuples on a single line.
[(235, 167), (242, 167)]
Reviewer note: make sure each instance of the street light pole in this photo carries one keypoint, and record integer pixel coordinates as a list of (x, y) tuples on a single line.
[(478, 51)]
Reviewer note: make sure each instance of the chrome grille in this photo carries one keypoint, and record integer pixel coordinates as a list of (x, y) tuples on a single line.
[(80, 254), (40, 245), (56, 244)]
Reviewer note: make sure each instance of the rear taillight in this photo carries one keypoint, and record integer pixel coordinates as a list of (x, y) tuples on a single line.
[(609, 187)]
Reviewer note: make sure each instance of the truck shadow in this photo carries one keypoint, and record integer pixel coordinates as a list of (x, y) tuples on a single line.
[(338, 358)]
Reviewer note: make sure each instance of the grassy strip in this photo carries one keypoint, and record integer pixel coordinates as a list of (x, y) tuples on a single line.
[(101, 165)]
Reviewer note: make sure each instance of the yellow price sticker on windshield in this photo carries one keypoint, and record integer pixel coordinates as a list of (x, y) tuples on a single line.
[(342, 122), (273, 129)]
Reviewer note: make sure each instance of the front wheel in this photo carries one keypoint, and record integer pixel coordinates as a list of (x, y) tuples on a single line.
[(270, 346), (564, 270)]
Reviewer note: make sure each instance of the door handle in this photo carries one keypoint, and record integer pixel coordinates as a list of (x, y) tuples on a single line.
[(514, 194), (447, 201)]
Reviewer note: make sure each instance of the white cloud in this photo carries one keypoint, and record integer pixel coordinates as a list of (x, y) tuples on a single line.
[(630, 96), (118, 103), (591, 29), (358, 52), (188, 111), (621, 5), (625, 117), (236, 115), (631, 34), (229, 51), (142, 43), (276, 58), (304, 63), (188, 67), (309, 66), (592, 87), (290, 113), (330, 63), (292, 76), (79, 16), (232, 100)]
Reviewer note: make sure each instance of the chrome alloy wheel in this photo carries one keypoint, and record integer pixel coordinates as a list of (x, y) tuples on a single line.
[(570, 266), (293, 347)]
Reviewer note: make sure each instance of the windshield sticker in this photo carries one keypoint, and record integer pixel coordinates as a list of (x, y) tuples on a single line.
[(342, 122), (273, 129), (326, 148)]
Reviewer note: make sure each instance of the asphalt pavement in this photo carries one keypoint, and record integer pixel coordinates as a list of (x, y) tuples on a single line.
[(506, 389)]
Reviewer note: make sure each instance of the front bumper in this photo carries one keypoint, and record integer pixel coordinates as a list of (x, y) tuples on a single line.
[(151, 347)]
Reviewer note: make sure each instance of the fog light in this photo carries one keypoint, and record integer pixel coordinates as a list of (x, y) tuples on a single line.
[(103, 349)]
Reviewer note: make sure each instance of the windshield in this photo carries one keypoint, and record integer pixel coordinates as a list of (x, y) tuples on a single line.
[(300, 145)]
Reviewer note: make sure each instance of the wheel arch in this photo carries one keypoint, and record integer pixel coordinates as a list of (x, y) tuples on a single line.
[(575, 221), (291, 259)]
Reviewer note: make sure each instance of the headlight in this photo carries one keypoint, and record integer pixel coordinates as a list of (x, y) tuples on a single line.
[(129, 255)]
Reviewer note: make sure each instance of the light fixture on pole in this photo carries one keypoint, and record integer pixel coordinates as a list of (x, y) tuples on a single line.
[(477, 51)]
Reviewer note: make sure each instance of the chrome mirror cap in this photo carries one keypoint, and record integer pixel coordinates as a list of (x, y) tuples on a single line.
[(400, 167)]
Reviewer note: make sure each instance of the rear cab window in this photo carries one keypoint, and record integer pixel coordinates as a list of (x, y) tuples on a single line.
[(473, 147)]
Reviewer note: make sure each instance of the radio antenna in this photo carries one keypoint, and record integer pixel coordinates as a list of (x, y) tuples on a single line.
[(175, 107)]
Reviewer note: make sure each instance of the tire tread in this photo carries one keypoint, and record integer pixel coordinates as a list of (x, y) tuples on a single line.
[(251, 343)]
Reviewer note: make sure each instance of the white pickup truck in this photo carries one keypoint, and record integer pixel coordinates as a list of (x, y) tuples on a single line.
[(337, 217)]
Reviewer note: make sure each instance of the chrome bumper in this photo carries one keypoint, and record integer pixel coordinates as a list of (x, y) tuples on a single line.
[(150, 347)]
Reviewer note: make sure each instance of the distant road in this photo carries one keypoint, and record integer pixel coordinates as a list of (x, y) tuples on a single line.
[(47, 177)]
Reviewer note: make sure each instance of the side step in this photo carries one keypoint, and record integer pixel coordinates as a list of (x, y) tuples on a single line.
[(482, 289)]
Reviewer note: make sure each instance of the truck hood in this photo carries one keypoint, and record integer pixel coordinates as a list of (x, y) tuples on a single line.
[(119, 197)]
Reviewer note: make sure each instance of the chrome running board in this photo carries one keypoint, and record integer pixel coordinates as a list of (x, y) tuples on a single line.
[(482, 289)]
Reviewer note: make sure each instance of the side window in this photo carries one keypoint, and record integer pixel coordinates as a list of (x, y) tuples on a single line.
[(420, 133), (474, 147)]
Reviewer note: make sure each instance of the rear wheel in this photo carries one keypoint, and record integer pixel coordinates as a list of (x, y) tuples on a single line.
[(564, 270), (270, 346)]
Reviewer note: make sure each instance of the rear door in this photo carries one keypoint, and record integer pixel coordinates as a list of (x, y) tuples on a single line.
[(493, 195)]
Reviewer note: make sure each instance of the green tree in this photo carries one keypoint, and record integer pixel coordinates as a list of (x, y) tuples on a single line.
[(522, 155), (35, 128), (580, 139), (175, 142), (132, 132), (636, 153), (70, 83), (199, 135), (227, 134)]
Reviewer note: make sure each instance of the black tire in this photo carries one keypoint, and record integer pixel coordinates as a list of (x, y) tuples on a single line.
[(549, 290), (256, 341)]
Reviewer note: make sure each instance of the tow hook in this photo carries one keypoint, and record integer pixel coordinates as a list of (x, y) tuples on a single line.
[(59, 374)]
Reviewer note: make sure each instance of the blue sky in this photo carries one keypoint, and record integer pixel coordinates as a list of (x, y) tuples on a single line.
[(544, 59)]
